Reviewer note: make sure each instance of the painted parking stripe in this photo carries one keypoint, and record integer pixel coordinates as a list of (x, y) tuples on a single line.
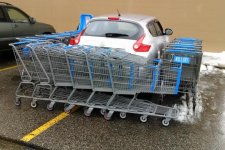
[(46, 126), (8, 68)]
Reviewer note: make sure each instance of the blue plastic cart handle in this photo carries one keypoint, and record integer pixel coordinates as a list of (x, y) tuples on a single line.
[(83, 21)]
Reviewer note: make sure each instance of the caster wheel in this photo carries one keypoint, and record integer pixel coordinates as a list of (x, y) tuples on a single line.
[(66, 105), (86, 113), (67, 110), (123, 115), (143, 119), (17, 102), (107, 117), (50, 108), (33, 104), (102, 111), (165, 123)]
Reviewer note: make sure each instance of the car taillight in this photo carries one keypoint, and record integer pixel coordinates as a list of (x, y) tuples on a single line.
[(71, 41), (113, 18), (75, 41), (139, 46)]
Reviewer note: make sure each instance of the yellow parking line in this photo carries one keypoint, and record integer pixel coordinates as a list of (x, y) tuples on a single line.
[(45, 126), (8, 68)]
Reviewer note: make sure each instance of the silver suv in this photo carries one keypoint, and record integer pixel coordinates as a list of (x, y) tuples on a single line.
[(137, 34)]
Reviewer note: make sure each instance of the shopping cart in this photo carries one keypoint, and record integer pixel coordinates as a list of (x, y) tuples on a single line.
[(109, 75), (107, 79), (44, 87), (63, 37), (26, 69), (187, 51)]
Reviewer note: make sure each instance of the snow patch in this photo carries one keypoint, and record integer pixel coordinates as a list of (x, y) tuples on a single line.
[(211, 64), (187, 113), (214, 59)]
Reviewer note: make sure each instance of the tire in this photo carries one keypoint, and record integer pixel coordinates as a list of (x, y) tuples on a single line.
[(123, 115), (33, 104), (18, 102), (143, 119), (106, 117), (50, 108), (66, 105), (86, 113), (102, 111), (67, 110), (165, 123)]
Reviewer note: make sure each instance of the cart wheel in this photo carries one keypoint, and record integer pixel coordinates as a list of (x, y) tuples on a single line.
[(50, 108), (17, 102), (86, 113), (123, 115), (102, 111), (165, 123), (107, 117), (33, 104), (66, 105), (67, 110), (143, 119)]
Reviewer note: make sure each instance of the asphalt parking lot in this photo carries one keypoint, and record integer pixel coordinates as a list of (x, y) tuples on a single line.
[(75, 131), (4, 145)]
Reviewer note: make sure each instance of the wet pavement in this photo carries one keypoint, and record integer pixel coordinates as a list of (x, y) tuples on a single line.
[(7, 59), (9, 145), (201, 129)]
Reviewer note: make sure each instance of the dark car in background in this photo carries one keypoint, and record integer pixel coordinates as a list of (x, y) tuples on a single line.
[(16, 23)]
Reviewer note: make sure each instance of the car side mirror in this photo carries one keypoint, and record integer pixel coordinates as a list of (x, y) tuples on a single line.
[(168, 31), (32, 20)]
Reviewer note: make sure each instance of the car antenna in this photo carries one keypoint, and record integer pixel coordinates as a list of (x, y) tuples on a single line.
[(118, 13)]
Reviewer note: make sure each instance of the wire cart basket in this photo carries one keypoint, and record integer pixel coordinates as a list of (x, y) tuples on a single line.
[(107, 79)]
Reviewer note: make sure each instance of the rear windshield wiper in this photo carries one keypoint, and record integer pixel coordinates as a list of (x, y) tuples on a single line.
[(115, 35)]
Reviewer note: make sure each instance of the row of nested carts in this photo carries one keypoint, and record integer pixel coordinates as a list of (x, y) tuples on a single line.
[(107, 79)]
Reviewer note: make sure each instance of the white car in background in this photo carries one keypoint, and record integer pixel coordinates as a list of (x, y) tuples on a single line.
[(137, 34)]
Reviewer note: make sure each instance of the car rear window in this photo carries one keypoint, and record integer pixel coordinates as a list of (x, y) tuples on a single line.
[(114, 29)]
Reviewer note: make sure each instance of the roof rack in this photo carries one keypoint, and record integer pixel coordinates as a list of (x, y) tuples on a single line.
[(5, 3)]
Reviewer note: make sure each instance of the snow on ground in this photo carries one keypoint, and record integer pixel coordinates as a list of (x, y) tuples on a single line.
[(211, 63), (186, 112), (214, 59)]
